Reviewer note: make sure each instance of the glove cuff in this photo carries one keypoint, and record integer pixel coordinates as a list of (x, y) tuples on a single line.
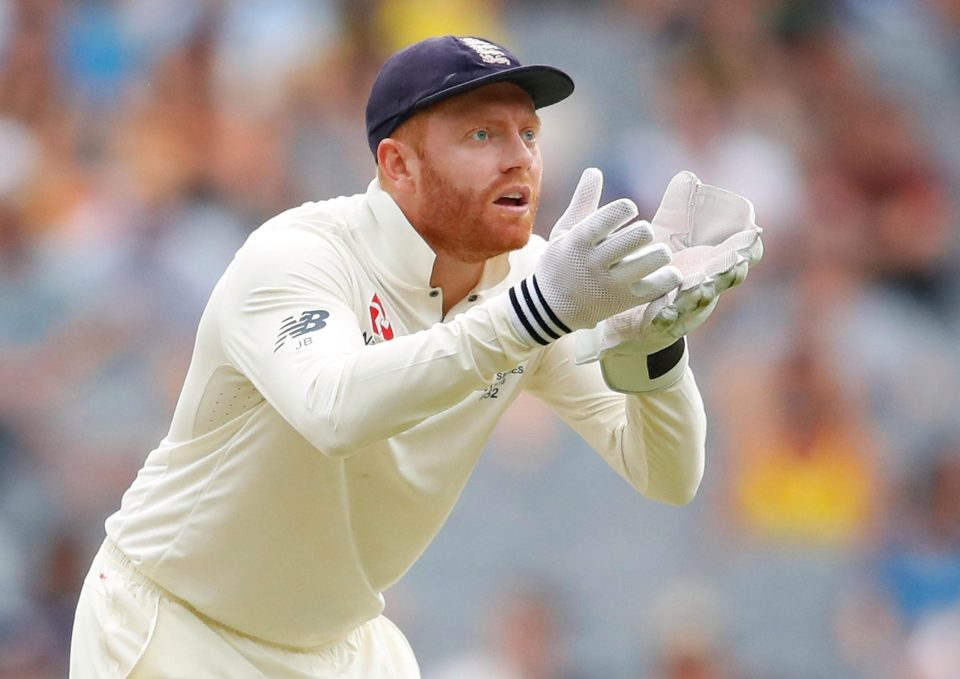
[(532, 316), (630, 371)]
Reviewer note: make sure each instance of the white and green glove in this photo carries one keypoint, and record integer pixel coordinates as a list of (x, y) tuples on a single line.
[(714, 240), (597, 264)]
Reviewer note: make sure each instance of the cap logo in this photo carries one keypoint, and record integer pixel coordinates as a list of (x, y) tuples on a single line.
[(490, 53)]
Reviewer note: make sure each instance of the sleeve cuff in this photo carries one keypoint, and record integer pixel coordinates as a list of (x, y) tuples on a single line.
[(515, 344)]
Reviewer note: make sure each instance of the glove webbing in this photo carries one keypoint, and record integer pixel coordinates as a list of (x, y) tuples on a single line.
[(533, 313)]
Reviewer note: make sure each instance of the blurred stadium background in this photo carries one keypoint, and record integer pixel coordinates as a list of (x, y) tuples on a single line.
[(142, 140)]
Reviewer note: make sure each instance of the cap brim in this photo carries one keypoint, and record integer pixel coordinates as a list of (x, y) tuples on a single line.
[(546, 85)]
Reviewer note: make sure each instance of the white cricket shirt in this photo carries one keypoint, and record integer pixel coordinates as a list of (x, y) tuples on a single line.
[(330, 418)]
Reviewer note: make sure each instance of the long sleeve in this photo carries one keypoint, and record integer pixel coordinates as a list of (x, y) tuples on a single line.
[(653, 440), (287, 320)]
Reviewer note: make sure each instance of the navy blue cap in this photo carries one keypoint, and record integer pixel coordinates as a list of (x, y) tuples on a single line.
[(438, 68)]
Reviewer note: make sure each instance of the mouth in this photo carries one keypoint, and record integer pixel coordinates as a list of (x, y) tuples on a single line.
[(514, 197)]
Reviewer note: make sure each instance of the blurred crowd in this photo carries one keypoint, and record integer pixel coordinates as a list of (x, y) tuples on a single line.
[(142, 140)]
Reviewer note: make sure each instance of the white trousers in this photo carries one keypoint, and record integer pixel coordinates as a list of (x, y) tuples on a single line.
[(127, 627)]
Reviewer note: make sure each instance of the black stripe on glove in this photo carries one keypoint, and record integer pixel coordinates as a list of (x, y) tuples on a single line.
[(534, 314), (661, 362)]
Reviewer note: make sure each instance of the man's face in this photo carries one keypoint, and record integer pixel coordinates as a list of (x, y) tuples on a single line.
[(478, 172)]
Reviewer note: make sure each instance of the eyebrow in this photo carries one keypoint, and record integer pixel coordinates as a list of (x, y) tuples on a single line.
[(480, 117)]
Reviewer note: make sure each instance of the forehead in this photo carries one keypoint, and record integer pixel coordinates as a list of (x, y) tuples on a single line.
[(496, 100)]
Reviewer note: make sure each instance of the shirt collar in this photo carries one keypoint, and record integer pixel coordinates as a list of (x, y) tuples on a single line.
[(402, 252), (395, 244)]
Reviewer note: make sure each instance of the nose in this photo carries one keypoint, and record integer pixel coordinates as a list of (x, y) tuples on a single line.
[(518, 154)]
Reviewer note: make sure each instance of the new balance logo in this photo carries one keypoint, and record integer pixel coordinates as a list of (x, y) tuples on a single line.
[(293, 327)]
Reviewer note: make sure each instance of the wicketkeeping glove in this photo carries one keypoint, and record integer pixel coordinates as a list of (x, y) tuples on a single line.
[(714, 240), (591, 269)]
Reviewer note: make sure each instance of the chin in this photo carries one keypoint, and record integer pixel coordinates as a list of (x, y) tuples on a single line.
[(512, 227), (513, 235), (493, 244)]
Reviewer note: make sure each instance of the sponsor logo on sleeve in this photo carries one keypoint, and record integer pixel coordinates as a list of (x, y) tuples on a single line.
[(499, 380), (293, 327)]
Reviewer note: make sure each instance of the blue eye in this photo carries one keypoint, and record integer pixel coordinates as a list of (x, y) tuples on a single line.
[(529, 135), (481, 135)]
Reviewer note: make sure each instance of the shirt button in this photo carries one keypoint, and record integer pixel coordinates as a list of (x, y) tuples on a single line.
[(434, 293), (473, 298)]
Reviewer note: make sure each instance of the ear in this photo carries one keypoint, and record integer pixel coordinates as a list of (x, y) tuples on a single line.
[(399, 164)]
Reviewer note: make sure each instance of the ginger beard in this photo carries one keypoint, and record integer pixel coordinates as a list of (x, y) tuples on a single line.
[(465, 223)]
